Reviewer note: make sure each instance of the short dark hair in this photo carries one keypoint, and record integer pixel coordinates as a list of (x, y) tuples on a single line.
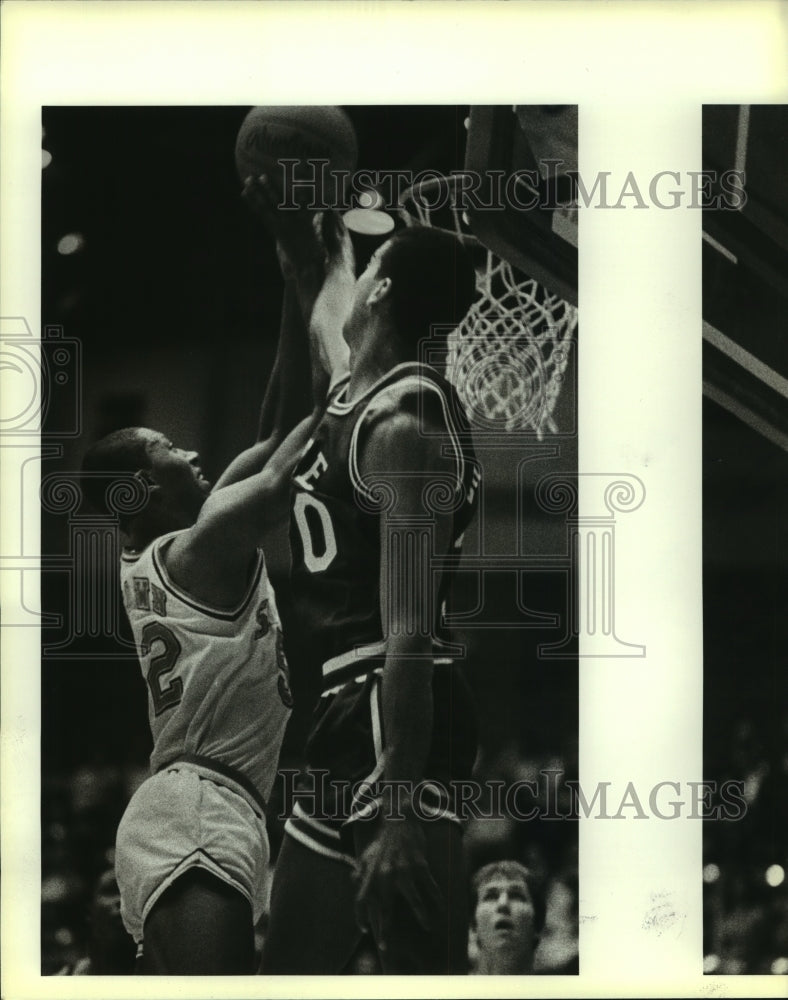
[(512, 870), (122, 452), (433, 281)]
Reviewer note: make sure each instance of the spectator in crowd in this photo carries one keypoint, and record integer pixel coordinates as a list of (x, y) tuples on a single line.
[(507, 917), (110, 950)]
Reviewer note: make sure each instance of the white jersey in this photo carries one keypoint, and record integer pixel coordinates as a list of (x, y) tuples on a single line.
[(217, 679)]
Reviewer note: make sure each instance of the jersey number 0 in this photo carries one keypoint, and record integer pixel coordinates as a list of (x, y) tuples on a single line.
[(312, 516)]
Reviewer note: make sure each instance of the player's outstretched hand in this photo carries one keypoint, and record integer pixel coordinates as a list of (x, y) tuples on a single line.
[(296, 231), (395, 864)]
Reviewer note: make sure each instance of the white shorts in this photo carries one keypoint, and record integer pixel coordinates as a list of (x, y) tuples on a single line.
[(180, 819)]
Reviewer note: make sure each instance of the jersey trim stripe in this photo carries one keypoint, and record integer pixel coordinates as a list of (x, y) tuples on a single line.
[(379, 748), (350, 674), (352, 680), (341, 409), (353, 656), (333, 393), (367, 783), (440, 810), (318, 837), (421, 383), (206, 609), (442, 804), (435, 812), (355, 665), (197, 859), (377, 721), (325, 830), (316, 845)]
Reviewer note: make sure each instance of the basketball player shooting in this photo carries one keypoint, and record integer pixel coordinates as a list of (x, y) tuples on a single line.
[(192, 849), (385, 486)]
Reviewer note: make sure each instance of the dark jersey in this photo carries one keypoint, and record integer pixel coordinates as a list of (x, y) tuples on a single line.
[(335, 524)]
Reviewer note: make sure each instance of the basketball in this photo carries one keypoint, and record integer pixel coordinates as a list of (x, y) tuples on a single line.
[(306, 134)]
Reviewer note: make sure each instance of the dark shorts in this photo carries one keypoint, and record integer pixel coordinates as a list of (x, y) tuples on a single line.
[(345, 746), (347, 740)]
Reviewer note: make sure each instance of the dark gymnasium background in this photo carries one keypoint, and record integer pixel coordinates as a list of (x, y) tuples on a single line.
[(165, 295)]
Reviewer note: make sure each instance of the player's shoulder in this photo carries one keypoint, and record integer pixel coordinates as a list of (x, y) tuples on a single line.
[(154, 561), (414, 395), (408, 423), (173, 554), (136, 561)]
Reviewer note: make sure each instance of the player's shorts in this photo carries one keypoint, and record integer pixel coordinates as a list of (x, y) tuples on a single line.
[(188, 817), (321, 835), (348, 741)]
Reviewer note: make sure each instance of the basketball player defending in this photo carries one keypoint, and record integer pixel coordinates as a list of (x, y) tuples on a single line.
[(192, 850), (383, 491)]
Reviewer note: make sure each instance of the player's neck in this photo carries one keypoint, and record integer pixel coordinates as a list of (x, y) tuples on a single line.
[(505, 963), (153, 524), (374, 357)]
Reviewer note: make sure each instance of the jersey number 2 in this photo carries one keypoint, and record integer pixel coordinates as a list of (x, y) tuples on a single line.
[(164, 693), (317, 557)]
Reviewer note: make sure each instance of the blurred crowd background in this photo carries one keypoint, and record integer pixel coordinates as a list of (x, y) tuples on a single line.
[(745, 684), (745, 861)]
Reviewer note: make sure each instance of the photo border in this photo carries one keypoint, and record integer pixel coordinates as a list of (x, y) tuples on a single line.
[(640, 73)]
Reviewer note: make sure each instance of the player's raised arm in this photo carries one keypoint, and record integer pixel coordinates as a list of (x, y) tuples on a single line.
[(302, 259), (213, 555), (249, 462), (293, 391), (333, 303)]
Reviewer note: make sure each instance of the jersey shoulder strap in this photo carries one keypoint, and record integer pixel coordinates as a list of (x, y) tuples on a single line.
[(422, 393)]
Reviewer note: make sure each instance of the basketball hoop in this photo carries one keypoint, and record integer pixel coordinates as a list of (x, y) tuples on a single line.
[(508, 357)]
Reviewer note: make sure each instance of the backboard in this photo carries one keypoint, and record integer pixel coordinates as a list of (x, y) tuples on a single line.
[(532, 149), (745, 265)]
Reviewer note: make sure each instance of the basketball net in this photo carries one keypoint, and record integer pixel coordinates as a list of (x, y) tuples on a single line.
[(508, 357)]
